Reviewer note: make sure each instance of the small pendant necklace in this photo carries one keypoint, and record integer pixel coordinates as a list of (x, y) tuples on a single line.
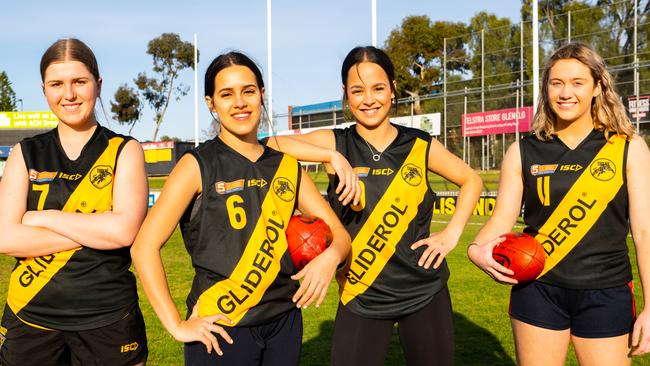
[(375, 155)]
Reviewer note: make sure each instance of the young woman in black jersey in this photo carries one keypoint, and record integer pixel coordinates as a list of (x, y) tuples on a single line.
[(234, 198), (396, 272), (582, 177), (69, 213)]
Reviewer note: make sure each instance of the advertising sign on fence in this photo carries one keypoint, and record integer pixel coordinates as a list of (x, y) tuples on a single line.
[(23, 120), (641, 107), (497, 122), (427, 122), (445, 203)]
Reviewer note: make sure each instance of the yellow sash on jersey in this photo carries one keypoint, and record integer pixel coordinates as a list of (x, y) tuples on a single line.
[(375, 243), (583, 204), (93, 194), (259, 265)]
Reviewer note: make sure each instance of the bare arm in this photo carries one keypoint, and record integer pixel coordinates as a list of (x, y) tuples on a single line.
[(111, 229), (503, 218), (450, 167), (20, 240), (183, 184), (320, 146), (318, 274), (638, 177)]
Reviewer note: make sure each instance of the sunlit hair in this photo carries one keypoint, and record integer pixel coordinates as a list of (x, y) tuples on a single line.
[(366, 54), (69, 49), (607, 111)]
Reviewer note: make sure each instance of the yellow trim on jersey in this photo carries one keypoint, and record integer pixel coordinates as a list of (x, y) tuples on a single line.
[(259, 265), (544, 190), (375, 243), (583, 204), (32, 274)]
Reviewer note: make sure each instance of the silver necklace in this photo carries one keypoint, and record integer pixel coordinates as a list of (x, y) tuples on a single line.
[(375, 155)]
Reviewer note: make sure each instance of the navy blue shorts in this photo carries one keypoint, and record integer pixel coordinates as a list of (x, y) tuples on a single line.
[(600, 313), (276, 343)]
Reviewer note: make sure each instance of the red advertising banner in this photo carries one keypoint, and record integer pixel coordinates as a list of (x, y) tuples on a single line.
[(497, 122)]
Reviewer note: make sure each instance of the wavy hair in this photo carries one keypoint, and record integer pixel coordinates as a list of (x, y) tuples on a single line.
[(607, 111)]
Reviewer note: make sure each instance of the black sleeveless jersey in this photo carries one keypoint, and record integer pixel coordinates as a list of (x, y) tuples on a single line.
[(576, 205), (235, 234), (83, 288), (381, 278)]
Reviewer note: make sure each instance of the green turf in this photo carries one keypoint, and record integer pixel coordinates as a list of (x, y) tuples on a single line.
[(483, 335)]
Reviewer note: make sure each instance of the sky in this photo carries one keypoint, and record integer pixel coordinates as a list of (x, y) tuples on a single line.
[(310, 39)]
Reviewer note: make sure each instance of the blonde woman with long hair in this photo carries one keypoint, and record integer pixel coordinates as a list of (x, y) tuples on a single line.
[(582, 177)]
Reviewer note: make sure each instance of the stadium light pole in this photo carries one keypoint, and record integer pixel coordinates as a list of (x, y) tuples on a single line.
[(373, 15), (196, 92), (444, 88), (269, 57), (535, 55), (21, 104)]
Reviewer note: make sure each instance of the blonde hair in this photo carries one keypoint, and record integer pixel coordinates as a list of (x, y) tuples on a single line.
[(607, 111)]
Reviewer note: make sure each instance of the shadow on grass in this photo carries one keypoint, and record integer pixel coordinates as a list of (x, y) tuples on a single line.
[(477, 346), (474, 346)]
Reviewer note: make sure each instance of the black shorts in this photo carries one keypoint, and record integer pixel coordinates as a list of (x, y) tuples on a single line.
[(275, 343), (600, 313), (121, 343)]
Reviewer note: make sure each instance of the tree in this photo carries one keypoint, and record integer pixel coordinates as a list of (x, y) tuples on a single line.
[(416, 49), (126, 106), (7, 95), (170, 55), (500, 62)]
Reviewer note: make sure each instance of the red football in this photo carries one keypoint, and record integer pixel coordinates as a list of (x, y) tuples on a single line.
[(307, 236), (522, 254)]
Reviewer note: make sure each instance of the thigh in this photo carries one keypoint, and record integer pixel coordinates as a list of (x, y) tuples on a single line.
[(25, 345), (358, 340), (602, 351), (121, 343), (283, 340), (603, 313), (537, 346), (427, 335)]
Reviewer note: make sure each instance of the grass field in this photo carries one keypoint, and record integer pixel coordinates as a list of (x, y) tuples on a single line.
[(483, 336)]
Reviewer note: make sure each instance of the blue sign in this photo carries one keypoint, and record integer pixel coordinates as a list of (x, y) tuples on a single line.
[(4, 151)]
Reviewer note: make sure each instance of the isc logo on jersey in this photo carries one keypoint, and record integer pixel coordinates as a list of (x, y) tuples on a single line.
[(537, 169), (238, 185)]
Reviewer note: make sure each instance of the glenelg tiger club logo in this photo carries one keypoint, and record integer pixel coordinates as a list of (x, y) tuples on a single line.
[(412, 174), (603, 169), (101, 176), (284, 189)]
